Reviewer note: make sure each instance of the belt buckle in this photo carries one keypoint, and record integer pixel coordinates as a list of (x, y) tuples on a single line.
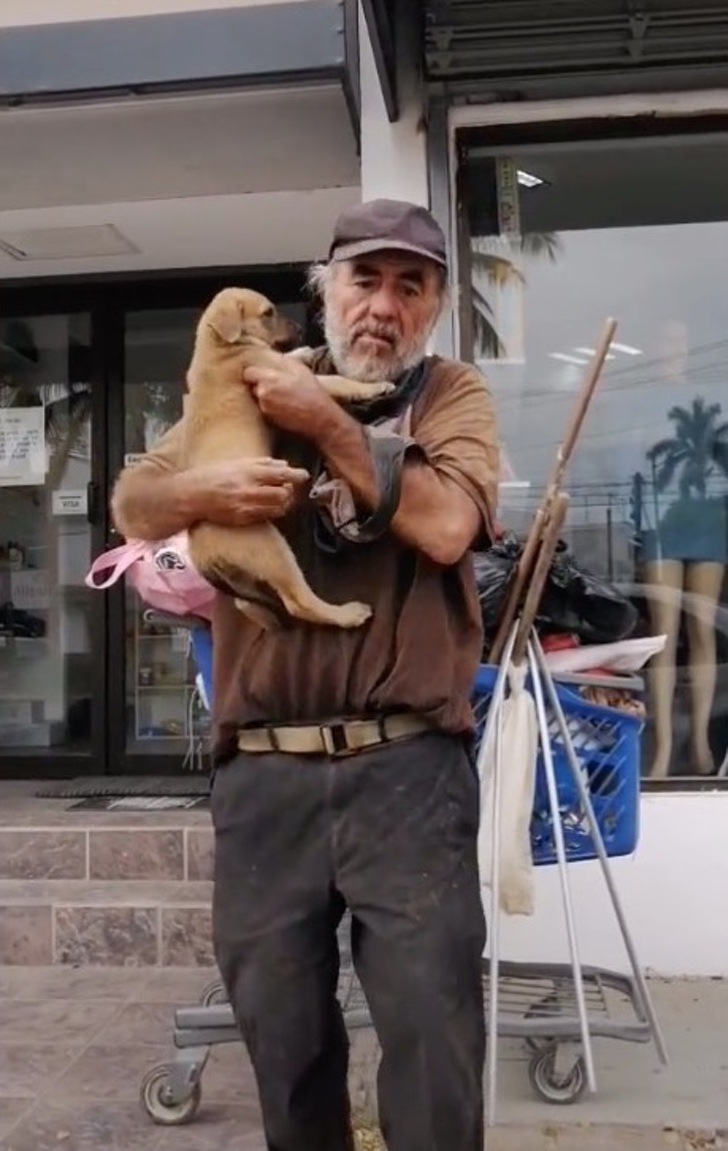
[(333, 736)]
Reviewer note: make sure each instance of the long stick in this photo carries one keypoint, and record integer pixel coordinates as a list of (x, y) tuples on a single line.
[(563, 455), (518, 586), (590, 384), (539, 576)]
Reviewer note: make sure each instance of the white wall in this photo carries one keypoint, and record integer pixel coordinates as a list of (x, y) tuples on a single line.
[(393, 156), (674, 891)]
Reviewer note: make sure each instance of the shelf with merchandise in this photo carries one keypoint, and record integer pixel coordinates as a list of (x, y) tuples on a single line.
[(160, 687)]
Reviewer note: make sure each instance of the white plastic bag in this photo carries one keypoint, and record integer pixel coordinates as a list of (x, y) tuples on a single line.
[(629, 655), (519, 744)]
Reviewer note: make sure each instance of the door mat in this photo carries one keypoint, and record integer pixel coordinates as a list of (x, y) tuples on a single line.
[(119, 786), (141, 803)]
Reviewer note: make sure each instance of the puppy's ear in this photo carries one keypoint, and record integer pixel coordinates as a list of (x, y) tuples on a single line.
[(225, 318)]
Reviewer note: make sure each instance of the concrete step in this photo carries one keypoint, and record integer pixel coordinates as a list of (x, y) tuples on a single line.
[(111, 923), (101, 846)]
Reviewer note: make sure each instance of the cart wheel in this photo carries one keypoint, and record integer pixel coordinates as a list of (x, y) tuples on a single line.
[(549, 1087), (213, 994), (156, 1101)]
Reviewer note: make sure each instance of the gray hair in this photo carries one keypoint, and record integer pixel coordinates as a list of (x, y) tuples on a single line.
[(318, 278)]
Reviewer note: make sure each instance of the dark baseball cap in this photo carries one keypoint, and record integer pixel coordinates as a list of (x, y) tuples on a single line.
[(386, 225)]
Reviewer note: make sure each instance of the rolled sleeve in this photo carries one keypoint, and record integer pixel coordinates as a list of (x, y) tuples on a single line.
[(458, 434)]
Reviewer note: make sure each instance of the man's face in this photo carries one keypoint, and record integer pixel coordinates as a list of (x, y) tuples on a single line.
[(379, 312)]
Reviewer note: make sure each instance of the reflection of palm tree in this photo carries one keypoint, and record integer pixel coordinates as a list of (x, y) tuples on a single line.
[(697, 451), (500, 272)]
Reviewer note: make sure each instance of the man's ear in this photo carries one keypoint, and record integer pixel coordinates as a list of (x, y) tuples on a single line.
[(225, 317)]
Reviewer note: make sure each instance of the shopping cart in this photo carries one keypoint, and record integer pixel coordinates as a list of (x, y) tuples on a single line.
[(537, 1002)]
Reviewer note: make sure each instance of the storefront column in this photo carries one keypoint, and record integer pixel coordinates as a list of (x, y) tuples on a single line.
[(393, 156)]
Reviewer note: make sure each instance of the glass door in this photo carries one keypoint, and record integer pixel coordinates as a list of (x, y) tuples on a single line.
[(51, 692), (156, 707), (158, 674)]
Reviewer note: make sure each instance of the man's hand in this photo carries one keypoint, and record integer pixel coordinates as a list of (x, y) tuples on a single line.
[(241, 492), (291, 397)]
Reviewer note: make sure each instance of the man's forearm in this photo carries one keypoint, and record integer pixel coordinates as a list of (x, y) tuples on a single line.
[(434, 515), (149, 506)]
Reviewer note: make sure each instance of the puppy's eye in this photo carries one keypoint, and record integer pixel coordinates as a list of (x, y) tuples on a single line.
[(269, 313)]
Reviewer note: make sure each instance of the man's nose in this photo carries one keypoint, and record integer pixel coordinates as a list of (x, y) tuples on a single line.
[(383, 303)]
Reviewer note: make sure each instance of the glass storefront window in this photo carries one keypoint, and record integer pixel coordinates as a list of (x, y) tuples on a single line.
[(161, 708), (46, 670), (553, 239), (162, 712)]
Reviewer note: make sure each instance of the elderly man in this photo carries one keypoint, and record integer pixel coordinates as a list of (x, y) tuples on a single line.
[(343, 770)]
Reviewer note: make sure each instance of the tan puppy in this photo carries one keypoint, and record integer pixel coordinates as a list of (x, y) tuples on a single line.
[(222, 421)]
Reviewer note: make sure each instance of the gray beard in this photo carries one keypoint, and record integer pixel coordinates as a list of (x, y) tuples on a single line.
[(371, 369)]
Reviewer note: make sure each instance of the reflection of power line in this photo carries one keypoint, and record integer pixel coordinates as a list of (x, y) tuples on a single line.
[(631, 375), (538, 396), (629, 432)]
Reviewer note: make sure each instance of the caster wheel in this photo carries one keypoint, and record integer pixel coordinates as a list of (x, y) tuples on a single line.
[(156, 1101), (214, 994), (551, 1088)]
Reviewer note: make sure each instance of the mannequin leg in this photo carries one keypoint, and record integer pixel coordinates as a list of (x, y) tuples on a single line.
[(704, 580), (665, 578)]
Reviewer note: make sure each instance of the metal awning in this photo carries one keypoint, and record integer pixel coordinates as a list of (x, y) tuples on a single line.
[(543, 47), (255, 46)]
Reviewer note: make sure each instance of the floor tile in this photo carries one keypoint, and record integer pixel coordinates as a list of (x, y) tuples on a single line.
[(216, 1128), (106, 1072), (520, 1139), (26, 1069), (36, 1021), (139, 1023), (11, 1111), (99, 1127), (181, 986), (77, 983)]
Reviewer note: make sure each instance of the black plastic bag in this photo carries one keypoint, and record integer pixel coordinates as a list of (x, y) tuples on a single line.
[(574, 601)]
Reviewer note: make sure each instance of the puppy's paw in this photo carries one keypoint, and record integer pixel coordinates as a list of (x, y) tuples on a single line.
[(382, 389), (350, 615), (305, 355), (359, 392)]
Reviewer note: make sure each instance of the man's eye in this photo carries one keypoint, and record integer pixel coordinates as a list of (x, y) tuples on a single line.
[(364, 282), (411, 291)]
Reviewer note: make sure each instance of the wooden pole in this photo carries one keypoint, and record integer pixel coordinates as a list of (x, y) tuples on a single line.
[(539, 576)]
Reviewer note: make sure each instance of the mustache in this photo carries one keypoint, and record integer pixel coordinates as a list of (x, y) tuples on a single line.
[(380, 331)]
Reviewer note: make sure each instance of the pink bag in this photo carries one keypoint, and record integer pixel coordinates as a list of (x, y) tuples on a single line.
[(161, 573)]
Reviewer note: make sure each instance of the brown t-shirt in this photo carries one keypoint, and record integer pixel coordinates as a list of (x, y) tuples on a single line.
[(422, 646)]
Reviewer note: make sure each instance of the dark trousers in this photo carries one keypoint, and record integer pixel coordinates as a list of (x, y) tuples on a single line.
[(391, 834)]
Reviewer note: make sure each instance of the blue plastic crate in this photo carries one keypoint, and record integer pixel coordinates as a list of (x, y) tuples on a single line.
[(607, 746)]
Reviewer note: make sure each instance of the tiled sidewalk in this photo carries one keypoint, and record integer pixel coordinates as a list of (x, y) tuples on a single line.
[(74, 1045)]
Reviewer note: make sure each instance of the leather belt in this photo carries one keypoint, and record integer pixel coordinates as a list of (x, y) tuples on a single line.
[(345, 737)]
